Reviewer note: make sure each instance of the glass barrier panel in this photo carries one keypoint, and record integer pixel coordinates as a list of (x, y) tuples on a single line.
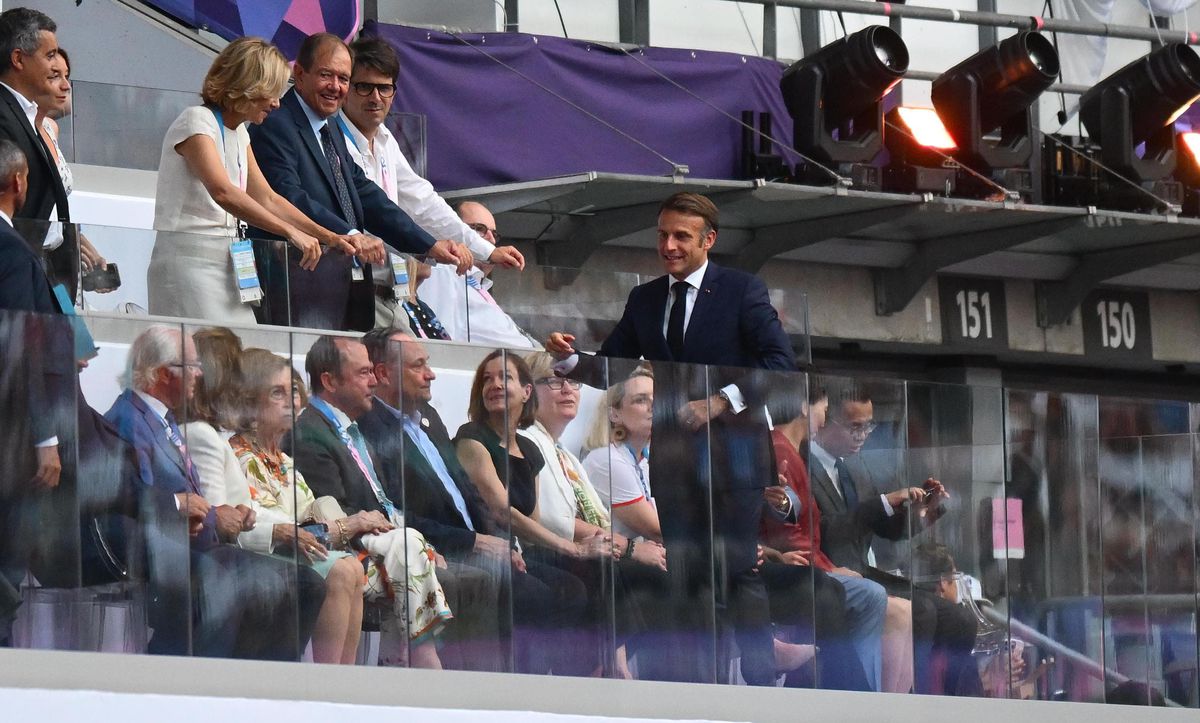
[(861, 440), (543, 299), (817, 641), (42, 603), (119, 125), (955, 471), (1055, 591), (430, 384), (1145, 486)]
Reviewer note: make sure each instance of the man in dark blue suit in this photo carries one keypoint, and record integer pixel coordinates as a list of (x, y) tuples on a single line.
[(28, 47), (710, 428), (29, 378), (206, 598), (305, 160)]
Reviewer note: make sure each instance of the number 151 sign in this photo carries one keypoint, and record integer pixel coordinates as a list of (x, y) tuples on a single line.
[(973, 312)]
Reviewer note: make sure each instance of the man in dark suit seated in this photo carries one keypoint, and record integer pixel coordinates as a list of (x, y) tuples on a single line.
[(208, 597), (305, 160), (854, 509), (420, 465), (28, 48), (710, 429)]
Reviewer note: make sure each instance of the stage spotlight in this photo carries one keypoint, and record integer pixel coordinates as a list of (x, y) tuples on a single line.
[(835, 99), (918, 146), (1187, 171), (987, 105), (1139, 104)]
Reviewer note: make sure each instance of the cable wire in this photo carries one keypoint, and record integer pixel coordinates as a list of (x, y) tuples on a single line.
[(560, 19), (746, 24), (840, 179), (675, 167)]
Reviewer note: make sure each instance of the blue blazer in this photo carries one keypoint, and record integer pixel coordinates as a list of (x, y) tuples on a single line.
[(160, 465), (295, 166), (733, 324)]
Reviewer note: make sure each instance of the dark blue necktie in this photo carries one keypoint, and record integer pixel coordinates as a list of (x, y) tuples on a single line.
[(675, 321), (846, 482), (339, 178)]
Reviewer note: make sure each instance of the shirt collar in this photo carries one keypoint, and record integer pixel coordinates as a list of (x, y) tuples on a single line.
[(6, 218), (827, 460), (154, 403), (360, 141), (27, 105), (695, 278), (396, 412), (314, 120), (331, 412)]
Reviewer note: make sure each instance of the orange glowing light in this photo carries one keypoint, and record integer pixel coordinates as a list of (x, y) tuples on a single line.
[(926, 127), (1191, 139)]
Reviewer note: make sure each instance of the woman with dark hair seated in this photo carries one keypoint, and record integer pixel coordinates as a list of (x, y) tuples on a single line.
[(504, 467)]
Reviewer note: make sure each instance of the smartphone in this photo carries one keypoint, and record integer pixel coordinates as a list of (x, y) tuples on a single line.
[(318, 530), (107, 278)]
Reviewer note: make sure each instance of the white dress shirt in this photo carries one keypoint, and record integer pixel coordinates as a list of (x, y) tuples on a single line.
[(386, 165), (469, 313), (54, 234)]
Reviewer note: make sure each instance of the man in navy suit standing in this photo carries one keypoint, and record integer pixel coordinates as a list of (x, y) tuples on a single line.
[(710, 438), (28, 379), (304, 158), (28, 48)]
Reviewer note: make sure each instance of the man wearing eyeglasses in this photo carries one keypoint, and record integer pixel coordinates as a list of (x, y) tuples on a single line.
[(854, 511), (376, 150), (467, 308)]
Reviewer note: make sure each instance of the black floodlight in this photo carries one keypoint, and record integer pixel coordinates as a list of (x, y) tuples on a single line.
[(835, 95), (1139, 104), (986, 101)]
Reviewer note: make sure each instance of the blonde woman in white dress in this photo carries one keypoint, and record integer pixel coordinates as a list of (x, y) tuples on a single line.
[(208, 182)]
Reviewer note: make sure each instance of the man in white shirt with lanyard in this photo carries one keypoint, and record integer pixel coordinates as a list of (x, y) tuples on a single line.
[(377, 152)]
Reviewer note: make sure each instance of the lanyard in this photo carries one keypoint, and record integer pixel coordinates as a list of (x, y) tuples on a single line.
[(241, 177), (384, 176), (637, 467)]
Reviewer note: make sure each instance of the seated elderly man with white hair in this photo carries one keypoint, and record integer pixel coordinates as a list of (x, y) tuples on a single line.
[(209, 597)]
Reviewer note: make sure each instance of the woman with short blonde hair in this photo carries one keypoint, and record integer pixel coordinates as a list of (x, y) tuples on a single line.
[(210, 189)]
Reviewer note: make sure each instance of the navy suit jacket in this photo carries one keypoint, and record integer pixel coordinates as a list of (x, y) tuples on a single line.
[(46, 192), (408, 475), (295, 166), (160, 465), (39, 373), (732, 325), (45, 185)]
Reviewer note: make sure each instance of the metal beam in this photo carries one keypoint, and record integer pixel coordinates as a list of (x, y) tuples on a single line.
[(512, 16), (810, 32), (972, 17), (1057, 299), (633, 21), (769, 241), (987, 33), (770, 35), (894, 288), (582, 234)]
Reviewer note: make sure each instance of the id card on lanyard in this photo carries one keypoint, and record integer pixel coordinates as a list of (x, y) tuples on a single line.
[(241, 252), (356, 269), (399, 276)]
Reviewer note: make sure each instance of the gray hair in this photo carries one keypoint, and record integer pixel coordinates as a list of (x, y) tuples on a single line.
[(154, 348), (21, 29), (12, 161)]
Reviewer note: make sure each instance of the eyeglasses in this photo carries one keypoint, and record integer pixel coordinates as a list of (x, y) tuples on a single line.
[(193, 366), (557, 383), (386, 90), (858, 429), (483, 230)]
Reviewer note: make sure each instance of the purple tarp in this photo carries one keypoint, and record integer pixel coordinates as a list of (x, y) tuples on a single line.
[(489, 125)]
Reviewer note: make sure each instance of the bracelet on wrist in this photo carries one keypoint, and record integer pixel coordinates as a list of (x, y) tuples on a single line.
[(629, 548)]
